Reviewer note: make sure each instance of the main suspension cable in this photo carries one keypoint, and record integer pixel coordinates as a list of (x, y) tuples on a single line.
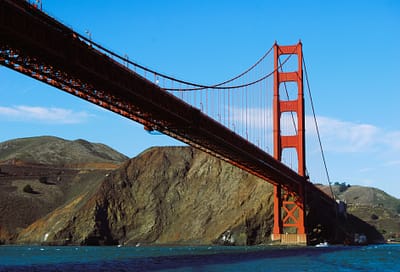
[(317, 129), (196, 85), (230, 87)]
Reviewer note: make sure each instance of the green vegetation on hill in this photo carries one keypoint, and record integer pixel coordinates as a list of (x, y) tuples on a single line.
[(374, 206), (360, 195)]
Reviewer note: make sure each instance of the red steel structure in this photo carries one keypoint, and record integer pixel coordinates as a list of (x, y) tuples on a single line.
[(38, 46), (289, 205)]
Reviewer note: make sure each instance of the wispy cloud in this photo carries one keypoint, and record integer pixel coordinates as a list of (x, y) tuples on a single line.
[(337, 135), (343, 136), (51, 115)]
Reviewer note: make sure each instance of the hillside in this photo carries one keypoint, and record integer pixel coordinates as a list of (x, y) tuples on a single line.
[(359, 195), (375, 207), (372, 205), (168, 195), (56, 151), (55, 169), (174, 195)]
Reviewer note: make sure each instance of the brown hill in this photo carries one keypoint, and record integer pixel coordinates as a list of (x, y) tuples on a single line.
[(166, 195), (56, 170), (56, 151)]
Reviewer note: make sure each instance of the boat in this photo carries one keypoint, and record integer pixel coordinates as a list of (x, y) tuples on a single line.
[(324, 244)]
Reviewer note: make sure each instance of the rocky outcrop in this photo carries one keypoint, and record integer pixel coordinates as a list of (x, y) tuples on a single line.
[(174, 195)]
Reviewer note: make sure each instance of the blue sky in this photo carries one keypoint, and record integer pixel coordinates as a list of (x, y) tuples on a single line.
[(351, 49)]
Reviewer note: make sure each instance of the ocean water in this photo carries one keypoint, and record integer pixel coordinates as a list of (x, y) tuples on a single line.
[(204, 258)]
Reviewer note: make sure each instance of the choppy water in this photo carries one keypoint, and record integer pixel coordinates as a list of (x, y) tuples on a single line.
[(38, 258)]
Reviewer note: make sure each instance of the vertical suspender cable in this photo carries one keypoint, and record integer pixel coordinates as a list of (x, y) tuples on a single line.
[(243, 111), (229, 108)]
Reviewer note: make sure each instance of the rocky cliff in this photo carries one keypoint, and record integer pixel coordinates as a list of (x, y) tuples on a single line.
[(173, 195)]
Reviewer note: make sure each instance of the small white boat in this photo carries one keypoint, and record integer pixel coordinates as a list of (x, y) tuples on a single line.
[(324, 244)]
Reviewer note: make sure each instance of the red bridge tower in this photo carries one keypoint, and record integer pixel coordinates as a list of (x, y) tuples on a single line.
[(289, 203)]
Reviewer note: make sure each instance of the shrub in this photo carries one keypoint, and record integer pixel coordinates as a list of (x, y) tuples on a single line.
[(28, 189), (343, 187), (43, 180), (374, 217)]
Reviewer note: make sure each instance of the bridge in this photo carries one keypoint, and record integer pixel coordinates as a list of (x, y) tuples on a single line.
[(252, 120)]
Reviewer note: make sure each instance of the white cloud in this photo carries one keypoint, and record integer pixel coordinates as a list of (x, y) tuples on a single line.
[(343, 136), (337, 136), (41, 114)]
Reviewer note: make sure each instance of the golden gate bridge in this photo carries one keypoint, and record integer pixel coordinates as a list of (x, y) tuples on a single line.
[(254, 120)]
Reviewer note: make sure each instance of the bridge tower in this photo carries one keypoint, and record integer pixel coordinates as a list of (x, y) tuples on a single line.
[(289, 203)]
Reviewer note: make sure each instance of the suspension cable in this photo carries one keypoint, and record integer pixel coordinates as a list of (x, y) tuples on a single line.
[(245, 72), (317, 129), (196, 85), (230, 87)]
